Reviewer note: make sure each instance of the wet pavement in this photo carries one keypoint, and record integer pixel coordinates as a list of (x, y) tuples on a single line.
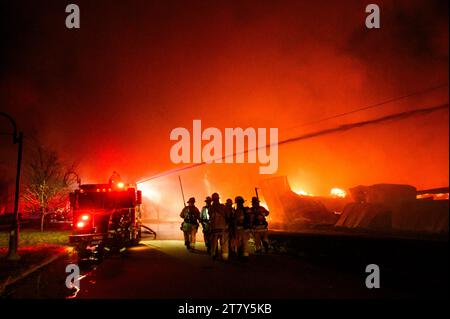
[(163, 268)]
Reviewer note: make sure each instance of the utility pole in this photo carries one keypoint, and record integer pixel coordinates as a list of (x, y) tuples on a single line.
[(14, 233)]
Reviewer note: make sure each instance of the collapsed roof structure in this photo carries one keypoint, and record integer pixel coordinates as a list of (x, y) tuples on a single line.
[(380, 207)]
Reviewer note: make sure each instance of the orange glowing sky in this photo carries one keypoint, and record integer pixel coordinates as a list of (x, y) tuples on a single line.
[(109, 94)]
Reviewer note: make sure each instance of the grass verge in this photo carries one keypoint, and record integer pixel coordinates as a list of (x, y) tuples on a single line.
[(35, 249), (31, 237)]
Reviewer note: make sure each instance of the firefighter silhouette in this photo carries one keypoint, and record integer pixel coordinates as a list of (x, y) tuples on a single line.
[(191, 216), (219, 227), (259, 225), (229, 213), (204, 220), (242, 227)]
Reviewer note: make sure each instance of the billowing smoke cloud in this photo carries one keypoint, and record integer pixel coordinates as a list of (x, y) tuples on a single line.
[(109, 94)]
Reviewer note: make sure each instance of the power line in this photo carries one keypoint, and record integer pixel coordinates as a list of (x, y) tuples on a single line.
[(394, 99), (386, 118), (340, 128)]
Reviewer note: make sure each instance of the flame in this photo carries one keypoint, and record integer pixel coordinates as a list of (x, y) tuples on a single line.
[(337, 192), (440, 196), (301, 192), (264, 204)]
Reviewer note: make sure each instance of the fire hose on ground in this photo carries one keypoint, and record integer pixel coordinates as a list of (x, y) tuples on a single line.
[(148, 230)]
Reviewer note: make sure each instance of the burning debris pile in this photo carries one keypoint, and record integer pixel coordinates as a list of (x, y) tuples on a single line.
[(302, 210), (373, 205), (381, 207), (394, 207)]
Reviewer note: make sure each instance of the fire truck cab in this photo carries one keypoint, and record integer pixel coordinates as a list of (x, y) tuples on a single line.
[(106, 217)]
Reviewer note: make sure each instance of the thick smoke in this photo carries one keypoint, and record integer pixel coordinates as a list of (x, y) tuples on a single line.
[(109, 94)]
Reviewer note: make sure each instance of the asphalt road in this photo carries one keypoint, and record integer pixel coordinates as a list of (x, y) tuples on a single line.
[(163, 268)]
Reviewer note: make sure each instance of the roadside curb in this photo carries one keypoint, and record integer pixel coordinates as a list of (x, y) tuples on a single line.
[(8, 282)]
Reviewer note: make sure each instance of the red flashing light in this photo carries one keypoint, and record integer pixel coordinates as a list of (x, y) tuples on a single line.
[(85, 217), (80, 224)]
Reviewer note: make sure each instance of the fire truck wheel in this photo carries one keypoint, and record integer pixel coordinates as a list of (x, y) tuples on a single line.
[(83, 255)]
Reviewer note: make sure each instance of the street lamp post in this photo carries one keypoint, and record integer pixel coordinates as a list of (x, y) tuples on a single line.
[(14, 233)]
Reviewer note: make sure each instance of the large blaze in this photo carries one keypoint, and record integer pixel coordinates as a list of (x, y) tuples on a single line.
[(291, 66), (337, 192), (272, 150)]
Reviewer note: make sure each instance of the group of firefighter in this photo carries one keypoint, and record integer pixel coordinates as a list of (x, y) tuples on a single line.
[(229, 226)]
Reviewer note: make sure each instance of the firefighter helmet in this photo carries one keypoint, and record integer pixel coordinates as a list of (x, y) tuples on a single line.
[(208, 199), (239, 199), (191, 200), (215, 196)]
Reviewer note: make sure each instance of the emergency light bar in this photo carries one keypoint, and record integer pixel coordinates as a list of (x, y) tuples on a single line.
[(99, 188)]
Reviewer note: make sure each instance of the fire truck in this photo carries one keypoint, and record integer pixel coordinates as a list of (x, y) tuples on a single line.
[(106, 218)]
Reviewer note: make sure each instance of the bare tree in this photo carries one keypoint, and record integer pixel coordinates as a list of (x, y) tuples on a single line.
[(47, 181)]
